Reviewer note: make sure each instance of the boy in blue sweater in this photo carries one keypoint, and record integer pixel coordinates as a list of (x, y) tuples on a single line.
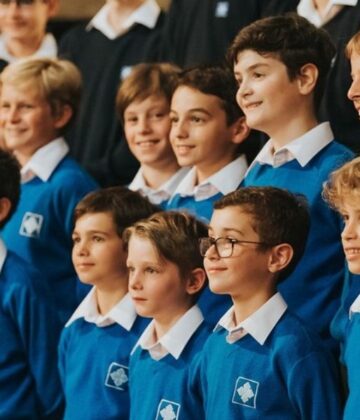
[(96, 342), (342, 193), (281, 64), (165, 276), (261, 361), (29, 381), (38, 99), (143, 106), (207, 129)]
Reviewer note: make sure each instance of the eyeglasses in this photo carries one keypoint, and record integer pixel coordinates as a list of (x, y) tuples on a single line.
[(224, 246), (18, 2)]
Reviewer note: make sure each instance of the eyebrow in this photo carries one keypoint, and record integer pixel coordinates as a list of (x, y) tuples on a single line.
[(227, 230), (202, 110), (254, 66)]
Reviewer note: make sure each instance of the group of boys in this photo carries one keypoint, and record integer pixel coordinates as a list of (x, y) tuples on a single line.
[(244, 229)]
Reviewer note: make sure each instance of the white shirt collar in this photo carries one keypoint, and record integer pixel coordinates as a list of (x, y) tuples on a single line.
[(123, 313), (355, 306), (44, 161), (303, 149), (164, 192), (224, 181), (306, 8), (48, 48), (147, 14), (3, 253), (175, 340), (259, 325)]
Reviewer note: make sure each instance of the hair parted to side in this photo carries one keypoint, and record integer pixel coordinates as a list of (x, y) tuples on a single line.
[(343, 185), (125, 206), (10, 181), (278, 217), (175, 235), (146, 79), (293, 40), (58, 81), (353, 46), (216, 81)]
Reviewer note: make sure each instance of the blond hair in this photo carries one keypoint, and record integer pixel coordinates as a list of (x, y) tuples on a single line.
[(344, 184), (57, 81), (353, 46)]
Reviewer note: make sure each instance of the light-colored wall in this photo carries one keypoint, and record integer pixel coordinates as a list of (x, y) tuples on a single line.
[(84, 9)]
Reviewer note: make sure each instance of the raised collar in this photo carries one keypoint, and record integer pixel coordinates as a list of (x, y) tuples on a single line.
[(306, 8)]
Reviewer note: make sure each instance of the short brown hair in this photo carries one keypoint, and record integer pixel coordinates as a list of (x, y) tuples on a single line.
[(353, 46), (58, 81), (279, 217), (344, 182), (175, 235), (125, 206), (146, 79)]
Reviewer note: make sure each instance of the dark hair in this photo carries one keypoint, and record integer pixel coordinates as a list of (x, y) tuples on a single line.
[(217, 81), (293, 40), (279, 217), (126, 206), (175, 235), (10, 181)]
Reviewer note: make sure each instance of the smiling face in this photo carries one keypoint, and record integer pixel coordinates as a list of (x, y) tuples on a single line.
[(354, 91), (27, 120), (266, 95), (351, 234), (98, 255), (245, 273), (200, 135), (155, 284)]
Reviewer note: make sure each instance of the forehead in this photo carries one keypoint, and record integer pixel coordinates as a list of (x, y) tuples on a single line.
[(186, 98), (232, 218), (17, 88), (92, 221), (355, 61), (139, 246), (148, 103), (249, 59)]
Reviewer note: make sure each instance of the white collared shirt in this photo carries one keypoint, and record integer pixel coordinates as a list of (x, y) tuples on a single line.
[(164, 192), (175, 340), (123, 313), (259, 324), (45, 160), (3, 253), (147, 14), (303, 149), (306, 8), (224, 181), (355, 307), (48, 48)]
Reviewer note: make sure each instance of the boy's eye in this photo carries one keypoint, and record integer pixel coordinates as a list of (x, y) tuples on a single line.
[(75, 239), (150, 270), (196, 119), (257, 75), (97, 238), (173, 119), (130, 119), (130, 268)]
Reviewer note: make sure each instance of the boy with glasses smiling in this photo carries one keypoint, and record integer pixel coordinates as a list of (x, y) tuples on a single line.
[(261, 362), (23, 25)]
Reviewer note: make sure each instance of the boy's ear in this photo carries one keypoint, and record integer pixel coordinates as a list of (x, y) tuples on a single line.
[(195, 281), (307, 78), (53, 7), (63, 117), (5, 207), (240, 130), (280, 256)]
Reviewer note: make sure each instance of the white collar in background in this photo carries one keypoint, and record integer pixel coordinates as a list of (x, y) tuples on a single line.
[(164, 192), (45, 160), (224, 181), (48, 48), (3, 253), (123, 313), (147, 14), (259, 324), (303, 149), (306, 8), (355, 307), (175, 340)]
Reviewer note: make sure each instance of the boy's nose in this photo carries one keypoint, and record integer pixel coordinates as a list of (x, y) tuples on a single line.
[(354, 90), (179, 130), (349, 231), (144, 126)]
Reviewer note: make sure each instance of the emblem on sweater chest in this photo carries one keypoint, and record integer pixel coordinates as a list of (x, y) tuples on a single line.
[(245, 392), (117, 377), (31, 225), (168, 410)]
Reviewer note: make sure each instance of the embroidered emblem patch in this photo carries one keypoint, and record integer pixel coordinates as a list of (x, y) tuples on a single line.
[(117, 377), (245, 392), (31, 225), (168, 410), (222, 9)]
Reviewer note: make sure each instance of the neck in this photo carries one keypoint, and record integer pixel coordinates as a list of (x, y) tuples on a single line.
[(120, 10), (320, 5), (155, 177), (108, 297), (203, 172), (245, 305), (23, 48), (164, 323)]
